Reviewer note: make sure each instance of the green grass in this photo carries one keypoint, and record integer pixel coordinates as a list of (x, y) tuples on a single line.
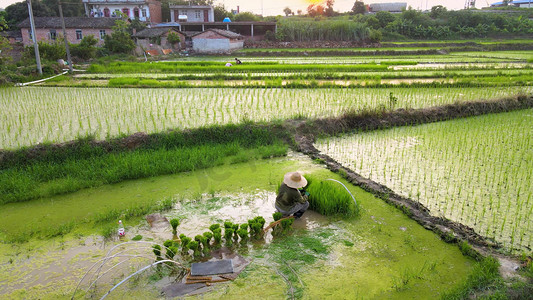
[(59, 170), (484, 279)]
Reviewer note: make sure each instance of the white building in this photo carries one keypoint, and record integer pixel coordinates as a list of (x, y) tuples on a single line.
[(143, 10), (395, 7), (191, 13)]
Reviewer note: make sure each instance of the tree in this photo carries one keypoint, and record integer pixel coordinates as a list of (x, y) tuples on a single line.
[(221, 13), (3, 22), (314, 10), (71, 8), (329, 8), (18, 12), (438, 11), (359, 8), (5, 49), (299, 12), (287, 11), (86, 49), (246, 16), (384, 18), (120, 40)]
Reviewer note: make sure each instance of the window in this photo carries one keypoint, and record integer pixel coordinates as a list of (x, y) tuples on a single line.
[(102, 34), (79, 35), (198, 14), (106, 12), (126, 11), (136, 13), (53, 34), (144, 13), (29, 33)]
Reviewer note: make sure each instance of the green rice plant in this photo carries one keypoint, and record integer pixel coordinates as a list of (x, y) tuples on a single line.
[(228, 235), (214, 227), (171, 252), (185, 244), (174, 223), (277, 216), (157, 251), (243, 234), (208, 236), (330, 198), (217, 236), (195, 247)]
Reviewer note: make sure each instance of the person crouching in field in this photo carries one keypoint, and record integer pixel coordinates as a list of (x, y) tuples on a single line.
[(289, 200)]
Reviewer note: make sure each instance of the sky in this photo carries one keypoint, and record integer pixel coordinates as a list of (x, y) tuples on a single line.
[(275, 7)]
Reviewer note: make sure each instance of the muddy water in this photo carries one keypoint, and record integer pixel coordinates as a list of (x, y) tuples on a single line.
[(369, 255)]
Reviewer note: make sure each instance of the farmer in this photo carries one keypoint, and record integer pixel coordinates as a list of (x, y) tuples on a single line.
[(238, 61), (290, 200)]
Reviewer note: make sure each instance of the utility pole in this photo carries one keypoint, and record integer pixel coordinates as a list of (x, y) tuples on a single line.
[(34, 38), (69, 60)]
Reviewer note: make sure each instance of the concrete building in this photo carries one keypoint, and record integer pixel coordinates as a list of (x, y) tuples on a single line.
[(143, 10), (191, 13), (515, 3), (394, 7), (217, 41), (49, 29)]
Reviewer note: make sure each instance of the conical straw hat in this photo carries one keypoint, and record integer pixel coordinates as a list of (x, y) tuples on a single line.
[(294, 180)]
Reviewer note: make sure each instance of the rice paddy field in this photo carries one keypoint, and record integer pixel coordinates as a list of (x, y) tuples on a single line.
[(476, 171), (219, 150), (32, 115)]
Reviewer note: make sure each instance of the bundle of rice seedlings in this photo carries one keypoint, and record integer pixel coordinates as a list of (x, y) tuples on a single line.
[(330, 198)]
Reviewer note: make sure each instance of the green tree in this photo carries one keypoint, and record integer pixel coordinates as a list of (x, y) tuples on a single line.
[(384, 18), (359, 8), (18, 12), (3, 22), (5, 49), (137, 25), (120, 40), (246, 16), (71, 8), (329, 8), (173, 37), (438, 11), (86, 49), (287, 11), (221, 13)]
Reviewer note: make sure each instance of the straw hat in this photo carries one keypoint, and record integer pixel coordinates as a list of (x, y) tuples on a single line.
[(294, 180)]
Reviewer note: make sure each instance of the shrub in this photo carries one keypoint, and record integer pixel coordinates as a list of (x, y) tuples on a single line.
[(86, 49), (173, 37)]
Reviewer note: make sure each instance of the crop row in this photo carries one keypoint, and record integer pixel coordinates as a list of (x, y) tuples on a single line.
[(477, 171), (31, 114)]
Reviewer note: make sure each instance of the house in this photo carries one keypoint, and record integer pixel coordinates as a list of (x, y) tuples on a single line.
[(217, 41), (515, 3), (143, 10), (393, 7), (192, 13), (156, 39), (49, 29), (13, 36)]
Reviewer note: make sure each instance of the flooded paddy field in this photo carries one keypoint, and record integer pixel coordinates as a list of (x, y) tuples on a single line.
[(32, 116), (476, 171), (379, 254)]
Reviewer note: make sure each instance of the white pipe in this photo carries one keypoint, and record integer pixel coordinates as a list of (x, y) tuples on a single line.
[(40, 80), (355, 202), (141, 270)]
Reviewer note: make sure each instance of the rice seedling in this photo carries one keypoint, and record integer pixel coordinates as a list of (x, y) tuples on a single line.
[(330, 198), (174, 223)]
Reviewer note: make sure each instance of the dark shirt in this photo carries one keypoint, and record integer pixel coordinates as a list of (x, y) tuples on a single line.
[(288, 197), (238, 62)]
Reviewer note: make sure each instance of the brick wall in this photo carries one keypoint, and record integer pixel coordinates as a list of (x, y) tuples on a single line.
[(44, 34), (156, 16)]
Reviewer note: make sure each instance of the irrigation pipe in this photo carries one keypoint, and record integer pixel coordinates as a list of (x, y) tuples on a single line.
[(141, 270), (355, 202), (129, 257), (40, 80), (104, 260)]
